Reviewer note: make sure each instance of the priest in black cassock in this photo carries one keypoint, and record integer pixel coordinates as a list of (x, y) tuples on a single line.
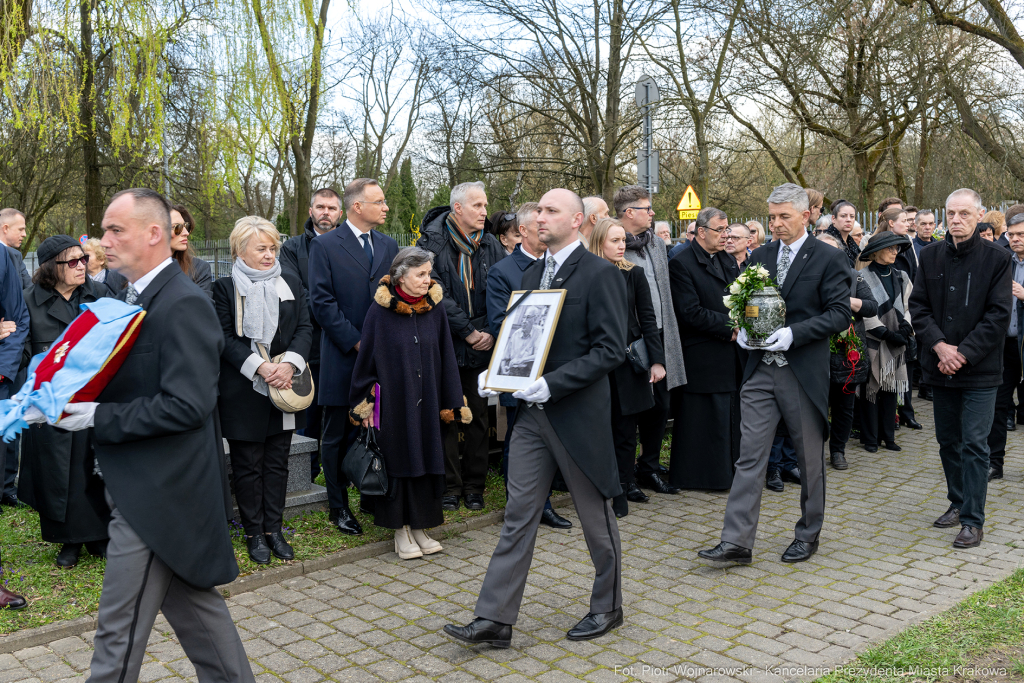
[(706, 434)]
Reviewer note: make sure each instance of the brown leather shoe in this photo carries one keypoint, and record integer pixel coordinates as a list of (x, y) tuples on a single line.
[(949, 519), (969, 537), (9, 600)]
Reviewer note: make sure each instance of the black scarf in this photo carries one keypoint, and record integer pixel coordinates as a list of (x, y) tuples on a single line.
[(848, 245), (639, 242)]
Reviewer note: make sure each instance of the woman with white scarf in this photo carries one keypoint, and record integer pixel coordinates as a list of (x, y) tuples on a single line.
[(260, 306)]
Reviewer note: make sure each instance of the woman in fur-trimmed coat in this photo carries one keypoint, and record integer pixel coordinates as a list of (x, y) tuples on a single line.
[(406, 351)]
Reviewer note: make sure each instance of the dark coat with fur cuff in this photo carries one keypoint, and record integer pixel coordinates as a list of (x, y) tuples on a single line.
[(407, 350)]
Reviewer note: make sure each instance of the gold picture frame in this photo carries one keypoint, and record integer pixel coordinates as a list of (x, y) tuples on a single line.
[(518, 361)]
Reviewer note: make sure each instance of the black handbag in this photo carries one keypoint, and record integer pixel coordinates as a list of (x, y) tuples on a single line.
[(364, 465), (636, 354)]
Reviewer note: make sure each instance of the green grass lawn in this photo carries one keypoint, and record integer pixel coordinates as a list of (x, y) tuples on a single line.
[(55, 594), (966, 635)]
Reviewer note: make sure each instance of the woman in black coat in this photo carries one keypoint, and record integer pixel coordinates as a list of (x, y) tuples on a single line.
[(57, 467), (631, 389), (406, 352), (259, 305), (196, 268)]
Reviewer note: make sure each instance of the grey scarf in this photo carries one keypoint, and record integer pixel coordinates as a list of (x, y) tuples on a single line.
[(262, 303)]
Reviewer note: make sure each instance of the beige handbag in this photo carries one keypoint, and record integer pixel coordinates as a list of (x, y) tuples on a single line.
[(293, 400)]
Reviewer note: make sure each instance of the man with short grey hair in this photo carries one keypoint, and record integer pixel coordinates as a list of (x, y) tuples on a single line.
[(594, 209), (465, 252), (643, 248), (788, 379)]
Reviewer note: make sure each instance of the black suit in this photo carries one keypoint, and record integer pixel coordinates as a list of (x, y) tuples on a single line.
[(342, 283), (706, 436), (817, 294), (571, 431), (157, 446)]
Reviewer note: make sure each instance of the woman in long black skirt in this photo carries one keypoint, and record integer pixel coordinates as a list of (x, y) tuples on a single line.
[(406, 369)]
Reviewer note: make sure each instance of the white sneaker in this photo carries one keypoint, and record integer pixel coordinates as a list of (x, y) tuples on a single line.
[(405, 546), (428, 545)]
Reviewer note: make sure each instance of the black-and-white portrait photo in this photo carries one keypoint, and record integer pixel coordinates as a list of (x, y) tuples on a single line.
[(525, 341), (522, 345)]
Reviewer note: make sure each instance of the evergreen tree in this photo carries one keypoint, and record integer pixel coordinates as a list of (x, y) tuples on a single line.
[(409, 193), (399, 210), (442, 197)]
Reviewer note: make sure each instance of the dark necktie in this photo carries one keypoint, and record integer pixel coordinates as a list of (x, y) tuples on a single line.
[(365, 237)]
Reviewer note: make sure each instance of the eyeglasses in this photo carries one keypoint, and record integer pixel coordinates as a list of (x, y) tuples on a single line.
[(179, 228), (648, 209), (379, 202), (719, 230), (73, 263)]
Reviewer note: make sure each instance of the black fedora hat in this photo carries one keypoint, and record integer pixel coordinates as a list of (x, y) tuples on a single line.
[(883, 240)]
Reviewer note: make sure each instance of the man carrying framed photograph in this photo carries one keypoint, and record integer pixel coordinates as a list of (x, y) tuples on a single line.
[(564, 422)]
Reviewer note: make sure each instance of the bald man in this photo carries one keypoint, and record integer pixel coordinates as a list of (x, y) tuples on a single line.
[(563, 422)]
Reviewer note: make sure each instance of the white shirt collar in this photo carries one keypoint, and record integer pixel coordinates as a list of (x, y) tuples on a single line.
[(526, 253), (793, 248), (561, 255), (144, 281), (358, 233)]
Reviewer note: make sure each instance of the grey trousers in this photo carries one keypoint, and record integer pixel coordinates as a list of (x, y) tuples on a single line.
[(772, 393), (535, 453), (137, 585)]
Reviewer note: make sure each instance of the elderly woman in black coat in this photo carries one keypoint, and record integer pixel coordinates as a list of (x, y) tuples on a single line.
[(631, 390), (261, 309), (57, 468), (406, 351)]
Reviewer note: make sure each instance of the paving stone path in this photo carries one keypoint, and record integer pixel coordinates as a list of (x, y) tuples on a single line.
[(880, 567)]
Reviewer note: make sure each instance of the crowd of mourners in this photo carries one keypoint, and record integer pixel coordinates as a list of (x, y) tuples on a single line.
[(396, 339)]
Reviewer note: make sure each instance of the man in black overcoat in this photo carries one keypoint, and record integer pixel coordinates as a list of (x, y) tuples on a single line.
[(345, 266), (706, 408), (563, 422), (324, 213), (156, 448), (788, 379)]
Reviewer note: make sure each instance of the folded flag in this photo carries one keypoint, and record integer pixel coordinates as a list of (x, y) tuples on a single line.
[(76, 367)]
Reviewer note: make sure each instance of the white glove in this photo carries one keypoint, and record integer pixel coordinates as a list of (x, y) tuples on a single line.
[(780, 340), (79, 416), (741, 339), (484, 393), (537, 392), (34, 416)]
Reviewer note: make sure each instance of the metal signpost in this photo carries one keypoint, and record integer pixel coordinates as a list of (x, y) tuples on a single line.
[(647, 96)]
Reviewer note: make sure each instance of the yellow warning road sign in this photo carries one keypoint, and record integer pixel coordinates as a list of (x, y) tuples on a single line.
[(689, 205)]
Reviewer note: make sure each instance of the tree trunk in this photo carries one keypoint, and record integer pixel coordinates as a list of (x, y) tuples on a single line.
[(613, 102), (922, 160), (87, 127)]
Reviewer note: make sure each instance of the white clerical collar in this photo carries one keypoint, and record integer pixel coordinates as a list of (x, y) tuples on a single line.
[(144, 281)]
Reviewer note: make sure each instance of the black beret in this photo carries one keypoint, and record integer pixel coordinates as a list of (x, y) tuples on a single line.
[(53, 246)]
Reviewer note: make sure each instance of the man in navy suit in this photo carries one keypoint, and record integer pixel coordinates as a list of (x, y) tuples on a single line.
[(505, 277), (345, 266)]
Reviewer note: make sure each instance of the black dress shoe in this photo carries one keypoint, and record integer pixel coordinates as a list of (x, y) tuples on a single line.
[(554, 520), (595, 625), (474, 501), (97, 548), (995, 473), (727, 552), (635, 495), (662, 470), (949, 518), (839, 461), (654, 482), (279, 546), (620, 506), (68, 555), (258, 550), (969, 537), (1011, 424), (773, 481), (798, 551), (450, 503), (482, 631), (345, 521), (925, 394), (9, 600), (10, 501), (792, 475), (911, 423), (892, 446), (871, 448)]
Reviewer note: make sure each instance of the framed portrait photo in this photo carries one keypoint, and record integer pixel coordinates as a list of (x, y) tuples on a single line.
[(524, 340)]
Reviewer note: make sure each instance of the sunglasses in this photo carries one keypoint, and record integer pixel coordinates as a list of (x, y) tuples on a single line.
[(73, 263), (179, 228)]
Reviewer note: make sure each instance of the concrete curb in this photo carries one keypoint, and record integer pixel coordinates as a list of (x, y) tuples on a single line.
[(42, 635)]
